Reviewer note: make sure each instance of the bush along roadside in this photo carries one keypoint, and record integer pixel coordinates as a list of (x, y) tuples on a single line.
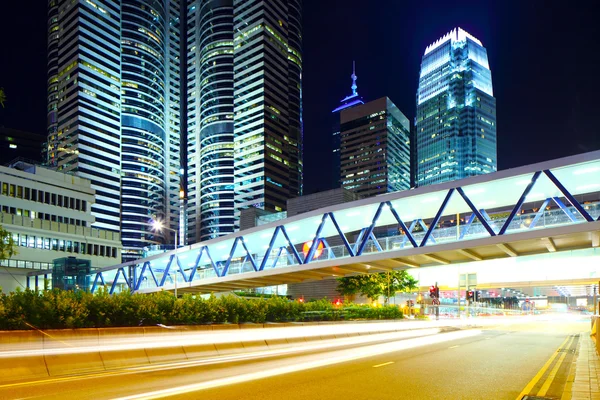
[(57, 309)]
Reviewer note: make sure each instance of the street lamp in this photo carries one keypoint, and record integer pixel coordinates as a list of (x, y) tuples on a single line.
[(158, 226)]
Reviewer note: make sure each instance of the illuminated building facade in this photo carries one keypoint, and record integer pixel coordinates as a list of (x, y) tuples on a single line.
[(244, 110), (374, 148), (349, 101), (267, 103), (113, 110), (210, 120), (456, 111)]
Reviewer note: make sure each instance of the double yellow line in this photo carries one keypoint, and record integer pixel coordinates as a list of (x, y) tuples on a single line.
[(544, 389)]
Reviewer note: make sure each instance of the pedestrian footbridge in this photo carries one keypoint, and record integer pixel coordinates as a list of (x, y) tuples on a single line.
[(547, 207)]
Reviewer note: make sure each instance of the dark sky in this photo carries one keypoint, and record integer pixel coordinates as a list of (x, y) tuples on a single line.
[(544, 56)]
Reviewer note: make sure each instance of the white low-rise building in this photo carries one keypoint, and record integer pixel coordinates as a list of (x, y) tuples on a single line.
[(48, 214)]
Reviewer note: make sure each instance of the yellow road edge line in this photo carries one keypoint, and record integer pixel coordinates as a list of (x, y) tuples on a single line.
[(453, 347), (381, 365), (552, 375), (541, 372)]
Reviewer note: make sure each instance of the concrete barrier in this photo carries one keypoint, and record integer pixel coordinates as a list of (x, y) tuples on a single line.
[(60, 338), (68, 364), (21, 340), (123, 358), (201, 351), (255, 345), (17, 368), (166, 354)]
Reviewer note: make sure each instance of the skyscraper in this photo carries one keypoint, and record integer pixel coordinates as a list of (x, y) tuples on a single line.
[(456, 111), (375, 148), (267, 103), (347, 102), (129, 79), (113, 101), (210, 120), (244, 110)]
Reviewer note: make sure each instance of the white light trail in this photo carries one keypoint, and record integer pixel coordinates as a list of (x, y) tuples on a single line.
[(344, 356)]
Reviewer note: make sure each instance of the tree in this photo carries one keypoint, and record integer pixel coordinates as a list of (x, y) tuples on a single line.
[(2, 97), (373, 286), (8, 247)]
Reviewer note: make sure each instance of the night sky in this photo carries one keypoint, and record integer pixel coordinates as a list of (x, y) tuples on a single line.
[(544, 57)]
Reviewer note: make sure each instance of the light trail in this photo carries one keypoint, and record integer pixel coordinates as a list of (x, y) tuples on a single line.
[(172, 339), (344, 356)]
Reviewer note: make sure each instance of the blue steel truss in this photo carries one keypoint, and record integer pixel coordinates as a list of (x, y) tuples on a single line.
[(289, 250)]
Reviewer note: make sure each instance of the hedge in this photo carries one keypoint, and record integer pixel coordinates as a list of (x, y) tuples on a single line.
[(58, 309)]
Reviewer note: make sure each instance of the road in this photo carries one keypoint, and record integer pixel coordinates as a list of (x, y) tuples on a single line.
[(493, 363)]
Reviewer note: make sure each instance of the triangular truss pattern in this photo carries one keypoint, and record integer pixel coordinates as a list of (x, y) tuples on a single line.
[(520, 202), (319, 239), (362, 238), (201, 252), (569, 196), (480, 216), (467, 225), (289, 256), (100, 277), (409, 232), (120, 271), (436, 219), (366, 235), (278, 229), (545, 204), (145, 267)]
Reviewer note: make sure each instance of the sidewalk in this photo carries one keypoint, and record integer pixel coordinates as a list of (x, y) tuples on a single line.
[(584, 382)]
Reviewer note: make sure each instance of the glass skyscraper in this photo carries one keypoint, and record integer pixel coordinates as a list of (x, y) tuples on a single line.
[(113, 110), (374, 148), (244, 110), (456, 111), (163, 102)]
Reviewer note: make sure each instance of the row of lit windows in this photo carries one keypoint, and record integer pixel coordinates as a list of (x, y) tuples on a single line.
[(25, 193), (69, 246), (42, 216)]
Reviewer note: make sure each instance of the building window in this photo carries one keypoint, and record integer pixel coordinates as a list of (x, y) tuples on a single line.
[(5, 188), (11, 191)]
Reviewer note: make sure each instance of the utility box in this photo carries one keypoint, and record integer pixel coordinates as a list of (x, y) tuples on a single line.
[(71, 273)]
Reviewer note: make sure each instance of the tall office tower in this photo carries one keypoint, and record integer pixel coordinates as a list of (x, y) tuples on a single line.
[(210, 120), (267, 103), (375, 148), (349, 101), (117, 112), (456, 111), (84, 99), (244, 110), (149, 121)]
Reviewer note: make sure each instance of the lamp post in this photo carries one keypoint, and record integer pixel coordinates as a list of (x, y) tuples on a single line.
[(158, 226)]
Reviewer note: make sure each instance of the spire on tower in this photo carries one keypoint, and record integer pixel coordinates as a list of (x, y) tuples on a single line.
[(353, 76)]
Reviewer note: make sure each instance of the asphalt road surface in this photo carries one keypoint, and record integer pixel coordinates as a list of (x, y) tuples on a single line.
[(493, 363)]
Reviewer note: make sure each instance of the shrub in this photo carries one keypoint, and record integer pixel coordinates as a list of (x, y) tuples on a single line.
[(66, 309)]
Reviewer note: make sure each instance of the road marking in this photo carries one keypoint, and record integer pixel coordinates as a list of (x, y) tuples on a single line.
[(552, 374), (381, 365), (541, 372), (453, 347)]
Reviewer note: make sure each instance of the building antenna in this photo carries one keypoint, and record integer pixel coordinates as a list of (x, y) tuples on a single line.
[(353, 76)]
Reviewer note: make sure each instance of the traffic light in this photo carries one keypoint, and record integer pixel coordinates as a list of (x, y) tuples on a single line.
[(432, 291), (478, 295), (470, 295)]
